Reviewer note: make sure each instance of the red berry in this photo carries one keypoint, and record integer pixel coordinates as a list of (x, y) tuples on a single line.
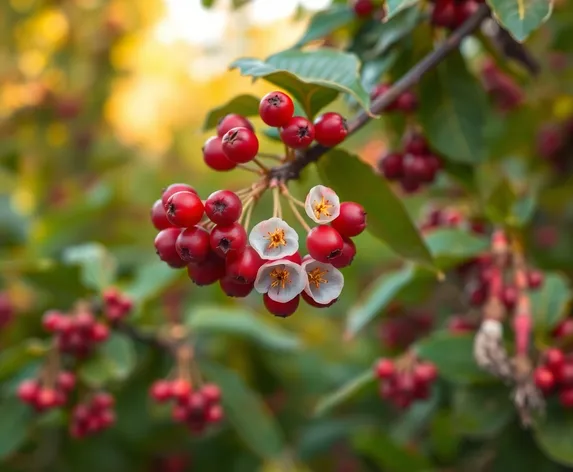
[(296, 258), (410, 185), (106, 419), (407, 102), (223, 207), (228, 239), (242, 267), (214, 156), (347, 255), (276, 109), (208, 271), (544, 379), (330, 129), (425, 373), (193, 244), (180, 389), (380, 90), (566, 397), (363, 8), (214, 414), (211, 393), (443, 14), (351, 221), (310, 301), (232, 288), (160, 391), (173, 189), (509, 296), (99, 332), (417, 168), (534, 279), (554, 359), (459, 325), (240, 145), (564, 375), (231, 121), (564, 329), (51, 321), (66, 381), (416, 144), (384, 369), (28, 391), (46, 398), (83, 321), (158, 216), (179, 413), (165, 248), (324, 243), (283, 310), (102, 401), (184, 209), (298, 133), (392, 166)]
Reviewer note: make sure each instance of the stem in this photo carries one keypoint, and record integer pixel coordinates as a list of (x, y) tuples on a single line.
[(249, 169), (265, 155), (288, 195), (298, 216), (263, 167), (292, 170)]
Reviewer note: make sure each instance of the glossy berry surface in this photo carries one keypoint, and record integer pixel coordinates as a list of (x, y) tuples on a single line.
[(208, 271), (230, 121), (243, 266), (193, 244), (347, 255), (324, 243), (232, 288), (214, 156), (392, 166), (173, 189), (276, 109), (298, 133), (223, 207), (351, 221), (165, 246), (158, 216), (240, 145), (228, 239), (282, 310), (330, 129), (363, 8), (184, 209)]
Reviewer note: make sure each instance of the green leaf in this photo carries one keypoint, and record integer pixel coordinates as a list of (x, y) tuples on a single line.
[(325, 22), (553, 434), (394, 29), (16, 357), (313, 78), (243, 323), (246, 412), (549, 302), (500, 202), (349, 389), (151, 279), (379, 294), (453, 112), (245, 105), (396, 6), (16, 417), (521, 17), (443, 436), (449, 247), (453, 356), (387, 218), (98, 266), (482, 411)]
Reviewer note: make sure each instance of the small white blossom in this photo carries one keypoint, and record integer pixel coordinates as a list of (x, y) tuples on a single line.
[(324, 281), (322, 205), (282, 280), (274, 239)]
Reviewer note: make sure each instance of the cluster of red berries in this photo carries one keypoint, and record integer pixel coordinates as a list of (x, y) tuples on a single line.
[(555, 142), (407, 102), (43, 396), (196, 408), (452, 14), (76, 333), (93, 416), (236, 141), (400, 329), (506, 94), (413, 167), (116, 305), (555, 375), (404, 384), (435, 218)]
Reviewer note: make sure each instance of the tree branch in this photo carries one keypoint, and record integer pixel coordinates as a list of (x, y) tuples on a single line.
[(291, 170)]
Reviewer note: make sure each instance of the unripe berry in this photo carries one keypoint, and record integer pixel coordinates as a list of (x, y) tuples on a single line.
[(544, 379), (214, 156), (384, 368), (231, 121), (298, 133), (243, 266), (347, 255), (240, 145), (228, 239), (160, 391), (158, 216), (223, 207), (392, 166), (208, 271), (330, 129), (184, 209), (173, 189), (283, 310), (276, 109), (232, 288), (324, 243), (165, 246), (351, 221), (193, 244)]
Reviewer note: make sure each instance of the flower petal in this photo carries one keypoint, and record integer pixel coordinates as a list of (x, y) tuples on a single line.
[(273, 239), (322, 205), (293, 275), (324, 281)]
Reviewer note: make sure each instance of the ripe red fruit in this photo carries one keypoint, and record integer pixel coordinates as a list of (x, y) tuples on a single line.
[(416, 144), (281, 309), (51, 321), (160, 391), (564, 329), (378, 91), (363, 8), (417, 168), (46, 398), (534, 279), (298, 133), (392, 166), (208, 271), (235, 289), (228, 239), (554, 359), (351, 221), (509, 296), (165, 247), (443, 14), (242, 267), (240, 145), (310, 301), (384, 368), (102, 401), (330, 129), (193, 244), (184, 209), (544, 379), (347, 255), (158, 216), (324, 243), (459, 325), (66, 381), (296, 258), (214, 414), (223, 207), (28, 391), (425, 373), (276, 109), (564, 375), (180, 389), (230, 121), (407, 102), (99, 332), (566, 397), (173, 189), (214, 156), (410, 185), (211, 393)]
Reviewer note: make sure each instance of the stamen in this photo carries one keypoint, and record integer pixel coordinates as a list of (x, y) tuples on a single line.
[(276, 238), (281, 277), (321, 208), (315, 277)]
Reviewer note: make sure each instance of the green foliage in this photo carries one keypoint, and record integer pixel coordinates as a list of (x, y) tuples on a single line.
[(550, 301), (346, 391), (521, 17), (14, 425), (245, 105), (113, 362), (324, 23)]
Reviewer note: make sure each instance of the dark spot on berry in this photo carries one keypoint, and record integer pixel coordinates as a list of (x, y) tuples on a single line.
[(240, 279), (334, 254), (303, 132), (274, 101), (185, 255), (224, 245), (345, 125), (171, 209), (219, 206)]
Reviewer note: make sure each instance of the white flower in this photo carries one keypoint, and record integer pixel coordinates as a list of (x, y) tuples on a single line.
[(274, 239), (281, 280), (322, 205), (324, 281)]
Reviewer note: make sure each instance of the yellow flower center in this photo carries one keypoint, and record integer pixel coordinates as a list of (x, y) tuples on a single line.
[(276, 238), (280, 277), (322, 207), (315, 277)]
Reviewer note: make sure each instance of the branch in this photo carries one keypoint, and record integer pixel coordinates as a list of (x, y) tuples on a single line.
[(292, 170), (137, 335), (514, 50)]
